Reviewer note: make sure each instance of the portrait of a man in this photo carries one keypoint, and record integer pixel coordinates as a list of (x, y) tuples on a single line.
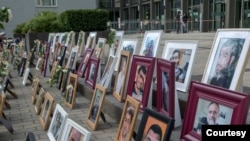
[(226, 61), (154, 133), (95, 108), (211, 113), (180, 73), (121, 75), (57, 125), (139, 82), (149, 48), (126, 124)]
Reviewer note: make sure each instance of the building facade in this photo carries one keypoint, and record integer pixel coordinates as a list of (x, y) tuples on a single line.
[(204, 15), (24, 10)]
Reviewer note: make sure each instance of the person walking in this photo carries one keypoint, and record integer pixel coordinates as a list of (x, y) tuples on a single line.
[(185, 24), (178, 21)]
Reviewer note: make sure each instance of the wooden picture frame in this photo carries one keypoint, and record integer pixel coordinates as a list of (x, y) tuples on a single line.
[(44, 117), (71, 90), (39, 100), (156, 124), (201, 96), (96, 106), (121, 77), (57, 123), (183, 53), (129, 45), (97, 53), (35, 88), (108, 71), (84, 63), (92, 70), (128, 119), (2, 103), (101, 42), (140, 79), (166, 87), (81, 42), (150, 43), (73, 131), (236, 42)]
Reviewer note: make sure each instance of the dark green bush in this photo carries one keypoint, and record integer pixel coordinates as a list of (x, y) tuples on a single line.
[(85, 20), (70, 20)]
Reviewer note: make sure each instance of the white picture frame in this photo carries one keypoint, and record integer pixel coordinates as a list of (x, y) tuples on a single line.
[(91, 40), (127, 45), (186, 52), (71, 63), (150, 43), (108, 72), (117, 43), (71, 125), (57, 123), (240, 38)]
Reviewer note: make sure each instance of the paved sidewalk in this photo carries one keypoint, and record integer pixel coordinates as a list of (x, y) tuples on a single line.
[(24, 119)]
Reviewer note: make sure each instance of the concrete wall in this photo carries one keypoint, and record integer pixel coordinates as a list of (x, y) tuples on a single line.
[(23, 10)]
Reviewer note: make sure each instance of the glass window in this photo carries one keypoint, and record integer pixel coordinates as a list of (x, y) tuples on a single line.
[(49, 3)]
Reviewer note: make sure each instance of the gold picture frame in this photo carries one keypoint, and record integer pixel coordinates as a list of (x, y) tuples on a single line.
[(45, 113), (71, 90)]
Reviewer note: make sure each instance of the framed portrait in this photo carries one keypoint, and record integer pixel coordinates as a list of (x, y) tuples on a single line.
[(96, 106), (128, 119), (70, 41), (81, 42), (92, 70), (101, 42), (74, 132), (183, 54), (228, 107), (121, 77), (140, 78), (84, 62), (45, 113), (129, 45), (63, 38), (154, 126), (56, 45), (2, 102), (61, 55), (35, 88), (71, 63), (228, 56), (117, 43), (97, 53), (39, 100), (91, 40), (108, 71), (71, 90), (51, 40), (150, 43), (165, 87), (57, 123)]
